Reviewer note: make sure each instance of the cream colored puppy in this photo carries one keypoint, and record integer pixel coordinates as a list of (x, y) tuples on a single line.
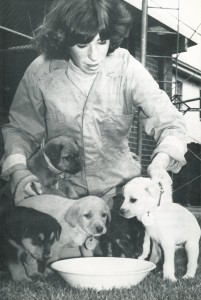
[(81, 220), (169, 224)]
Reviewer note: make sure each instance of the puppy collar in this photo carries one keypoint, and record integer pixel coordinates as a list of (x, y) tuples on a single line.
[(90, 243), (52, 168), (147, 218), (161, 192)]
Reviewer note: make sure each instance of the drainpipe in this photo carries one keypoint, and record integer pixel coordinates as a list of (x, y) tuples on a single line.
[(143, 61)]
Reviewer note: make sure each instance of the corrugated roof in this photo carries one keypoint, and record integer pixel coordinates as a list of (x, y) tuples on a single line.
[(163, 16)]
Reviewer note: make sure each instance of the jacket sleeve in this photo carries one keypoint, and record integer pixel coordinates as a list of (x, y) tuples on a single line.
[(26, 129), (159, 116)]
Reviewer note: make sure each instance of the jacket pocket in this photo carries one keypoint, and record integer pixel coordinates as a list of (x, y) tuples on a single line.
[(115, 130)]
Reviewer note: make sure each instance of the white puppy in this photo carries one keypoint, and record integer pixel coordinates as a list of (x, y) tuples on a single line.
[(169, 224)]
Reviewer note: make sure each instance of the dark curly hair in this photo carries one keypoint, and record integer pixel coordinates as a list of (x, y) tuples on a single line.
[(71, 22)]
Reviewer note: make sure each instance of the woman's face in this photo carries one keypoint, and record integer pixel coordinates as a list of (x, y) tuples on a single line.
[(88, 57)]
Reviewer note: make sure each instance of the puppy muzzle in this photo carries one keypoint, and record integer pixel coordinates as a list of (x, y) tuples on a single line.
[(47, 253), (99, 230), (125, 213)]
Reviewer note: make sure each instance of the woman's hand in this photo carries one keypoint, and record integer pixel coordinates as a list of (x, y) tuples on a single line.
[(24, 184), (157, 170), (33, 188)]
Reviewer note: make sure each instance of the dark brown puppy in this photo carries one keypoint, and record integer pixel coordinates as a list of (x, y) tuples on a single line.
[(26, 237), (60, 156)]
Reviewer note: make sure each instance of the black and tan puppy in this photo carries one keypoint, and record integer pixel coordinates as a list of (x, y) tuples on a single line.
[(26, 237), (60, 156), (124, 237), (82, 221)]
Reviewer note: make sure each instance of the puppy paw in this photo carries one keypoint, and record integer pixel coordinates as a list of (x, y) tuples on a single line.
[(48, 271), (22, 279), (170, 277), (188, 276)]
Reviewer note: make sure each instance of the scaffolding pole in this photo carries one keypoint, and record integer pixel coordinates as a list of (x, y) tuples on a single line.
[(143, 61), (16, 32)]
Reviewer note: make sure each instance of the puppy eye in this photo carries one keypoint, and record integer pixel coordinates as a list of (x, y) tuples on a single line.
[(133, 200), (87, 216), (36, 241), (52, 240), (104, 215), (67, 157)]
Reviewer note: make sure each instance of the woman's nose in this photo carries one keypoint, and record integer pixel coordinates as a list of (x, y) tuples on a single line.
[(93, 53)]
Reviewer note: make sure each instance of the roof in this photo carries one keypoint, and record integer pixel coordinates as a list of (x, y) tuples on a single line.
[(165, 17), (187, 70)]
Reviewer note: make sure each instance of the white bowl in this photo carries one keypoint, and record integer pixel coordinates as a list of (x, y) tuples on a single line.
[(103, 272)]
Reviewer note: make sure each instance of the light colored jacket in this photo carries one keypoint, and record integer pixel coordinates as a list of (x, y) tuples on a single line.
[(48, 103)]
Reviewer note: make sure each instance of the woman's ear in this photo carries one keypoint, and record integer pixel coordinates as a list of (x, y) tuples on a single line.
[(71, 217)]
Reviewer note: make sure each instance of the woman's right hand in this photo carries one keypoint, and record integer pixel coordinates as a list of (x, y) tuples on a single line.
[(33, 188), (25, 184)]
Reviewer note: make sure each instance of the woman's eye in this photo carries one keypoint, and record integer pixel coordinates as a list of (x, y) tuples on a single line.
[(102, 42), (81, 45)]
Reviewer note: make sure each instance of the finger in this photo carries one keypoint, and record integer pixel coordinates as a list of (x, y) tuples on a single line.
[(158, 174), (162, 176), (37, 187), (28, 189)]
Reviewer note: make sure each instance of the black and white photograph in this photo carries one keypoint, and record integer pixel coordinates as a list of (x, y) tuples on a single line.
[(100, 149)]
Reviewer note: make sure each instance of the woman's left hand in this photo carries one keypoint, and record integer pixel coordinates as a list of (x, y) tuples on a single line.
[(157, 170), (158, 174)]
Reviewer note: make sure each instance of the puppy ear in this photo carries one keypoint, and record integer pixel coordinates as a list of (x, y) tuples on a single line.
[(53, 152), (58, 232), (72, 214), (108, 215), (153, 188)]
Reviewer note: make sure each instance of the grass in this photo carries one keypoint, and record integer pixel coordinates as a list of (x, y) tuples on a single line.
[(153, 287)]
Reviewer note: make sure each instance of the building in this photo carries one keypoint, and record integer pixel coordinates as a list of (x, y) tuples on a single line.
[(188, 91)]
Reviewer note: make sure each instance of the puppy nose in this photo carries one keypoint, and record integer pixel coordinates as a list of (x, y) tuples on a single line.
[(47, 255), (99, 229)]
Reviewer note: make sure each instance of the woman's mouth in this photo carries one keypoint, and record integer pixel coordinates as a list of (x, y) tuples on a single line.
[(93, 66)]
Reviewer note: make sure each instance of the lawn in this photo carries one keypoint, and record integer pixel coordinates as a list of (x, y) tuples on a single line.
[(152, 287)]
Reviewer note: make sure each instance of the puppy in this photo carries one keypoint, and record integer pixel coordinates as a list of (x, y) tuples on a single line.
[(167, 223), (26, 237), (60, 156), (82, 220), (124, 237)]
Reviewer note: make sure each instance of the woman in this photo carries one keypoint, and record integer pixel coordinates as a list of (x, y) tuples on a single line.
[(85, 86)]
